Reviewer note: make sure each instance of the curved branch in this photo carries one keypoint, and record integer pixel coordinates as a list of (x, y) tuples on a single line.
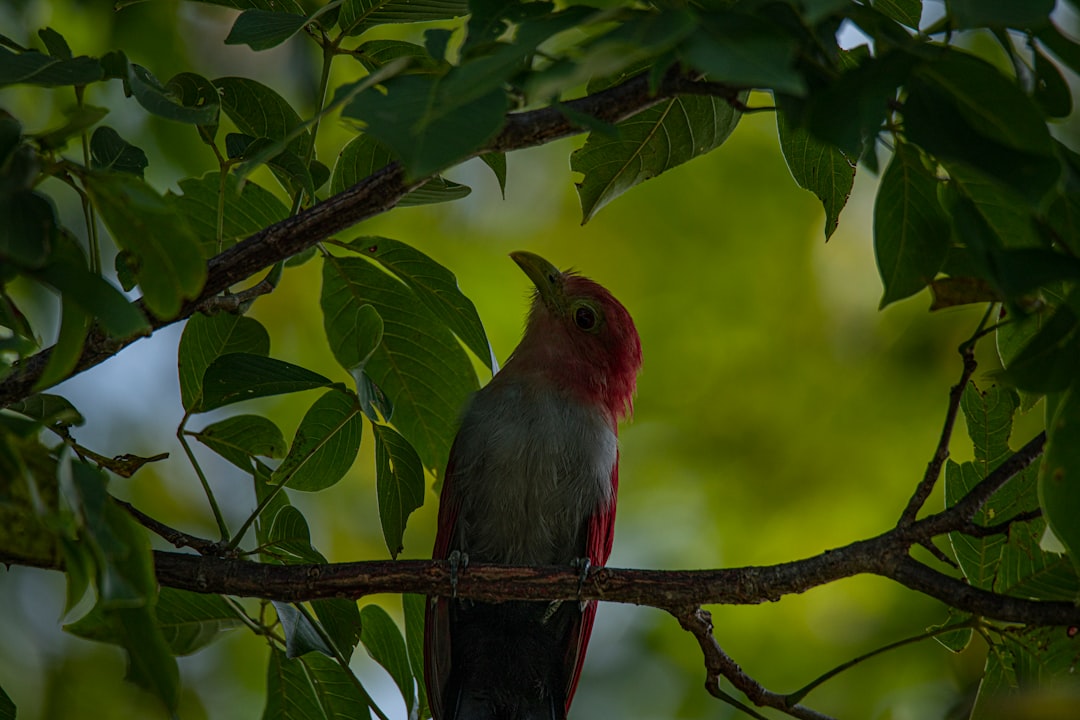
[(372, 196)]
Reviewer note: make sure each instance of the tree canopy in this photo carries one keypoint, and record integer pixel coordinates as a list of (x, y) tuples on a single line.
[(249, 216)]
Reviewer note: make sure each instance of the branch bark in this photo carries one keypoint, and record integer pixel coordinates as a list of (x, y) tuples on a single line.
[(372, 196)]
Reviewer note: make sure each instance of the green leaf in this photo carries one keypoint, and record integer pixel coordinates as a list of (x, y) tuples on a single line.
[(325, 444), (911, 232), (1004, 210), (905, 12), (195, 91), (818, 167), (161, 101), (979, 558), (383, 641), (413, 607), (35, 68), (339, 693), (127, 589), (375, 54), (29, 228), (206, 338), (241, 437), (1059, 474), (94, 295), (363, 156), (497, 163), (261, 112), (419, 364), (109, 151), (745, 50), (399, 484), (264, 29), (435, 286), (426, 121), (651, 142), (301, 636), (74, 325), (55, 43), (289, 692), (358, 16), (340, 618), (1026, 15), (48, 410), (242, 376), (1050, 360), (169, 266), (247, 210), (946, 113), (289, 540), (191, 621), (1051, 92)]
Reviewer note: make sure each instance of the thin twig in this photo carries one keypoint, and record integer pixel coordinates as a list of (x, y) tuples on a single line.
[(178, 538), (719, 664), (941, 453)]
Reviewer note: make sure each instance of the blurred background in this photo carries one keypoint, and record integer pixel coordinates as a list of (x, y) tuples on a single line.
[(779, 413)]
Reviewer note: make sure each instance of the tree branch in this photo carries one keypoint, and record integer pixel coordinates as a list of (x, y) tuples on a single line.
[(372, 196)]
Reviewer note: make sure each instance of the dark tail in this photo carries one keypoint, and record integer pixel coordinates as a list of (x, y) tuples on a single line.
[(509, 661)]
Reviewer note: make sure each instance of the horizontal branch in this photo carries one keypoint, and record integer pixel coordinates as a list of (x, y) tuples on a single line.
[(372, 196)]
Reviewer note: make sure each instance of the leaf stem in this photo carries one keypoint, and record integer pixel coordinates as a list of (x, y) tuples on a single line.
[(218, 517)]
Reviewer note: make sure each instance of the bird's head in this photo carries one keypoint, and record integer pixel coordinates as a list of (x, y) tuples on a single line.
[(579, 336)]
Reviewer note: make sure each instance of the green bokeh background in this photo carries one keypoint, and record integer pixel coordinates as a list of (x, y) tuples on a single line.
[(779, 413)]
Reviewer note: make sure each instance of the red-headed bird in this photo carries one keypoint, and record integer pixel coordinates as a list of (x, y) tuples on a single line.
[(531, 480)]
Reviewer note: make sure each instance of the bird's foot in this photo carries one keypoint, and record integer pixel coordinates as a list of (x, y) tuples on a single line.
[(458, 561), (583, 564)]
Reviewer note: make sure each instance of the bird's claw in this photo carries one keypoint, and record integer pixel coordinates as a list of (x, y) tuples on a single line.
[(584, 565), (458, 561)]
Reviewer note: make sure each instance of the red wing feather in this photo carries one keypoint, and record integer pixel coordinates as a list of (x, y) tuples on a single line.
[(598, 549), (437, 616)]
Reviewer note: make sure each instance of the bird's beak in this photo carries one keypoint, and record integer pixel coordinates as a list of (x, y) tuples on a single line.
[(547, 278)]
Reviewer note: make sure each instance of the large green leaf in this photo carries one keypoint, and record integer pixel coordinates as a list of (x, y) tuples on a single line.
[(426, 122), (246, 211), (170, 268), (160, 100), (413, 607), (419, 364), (382, 639), (399, 484), (364, 155), (906, 12), (289, 692), (259, 111), (358, 16), (745, 50), (340, 618), (325, 444), (205, 339), (241, 376), (911, 232), (818, 167), (241, 437), (339, 693), (1026, 15), (648, 144), (65, 353), (35, 68), (109, 151), (191, 621), (436, 287), (264, 29)]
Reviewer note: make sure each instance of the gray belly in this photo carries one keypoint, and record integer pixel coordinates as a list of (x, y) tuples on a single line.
[(530, 467)]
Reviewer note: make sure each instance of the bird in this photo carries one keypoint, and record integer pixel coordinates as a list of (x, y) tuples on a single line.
[(532, 479)]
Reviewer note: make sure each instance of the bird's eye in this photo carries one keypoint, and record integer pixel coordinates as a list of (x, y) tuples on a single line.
[(585, 317)]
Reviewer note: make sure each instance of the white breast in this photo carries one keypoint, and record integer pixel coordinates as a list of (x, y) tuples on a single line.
[(530, 466)]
